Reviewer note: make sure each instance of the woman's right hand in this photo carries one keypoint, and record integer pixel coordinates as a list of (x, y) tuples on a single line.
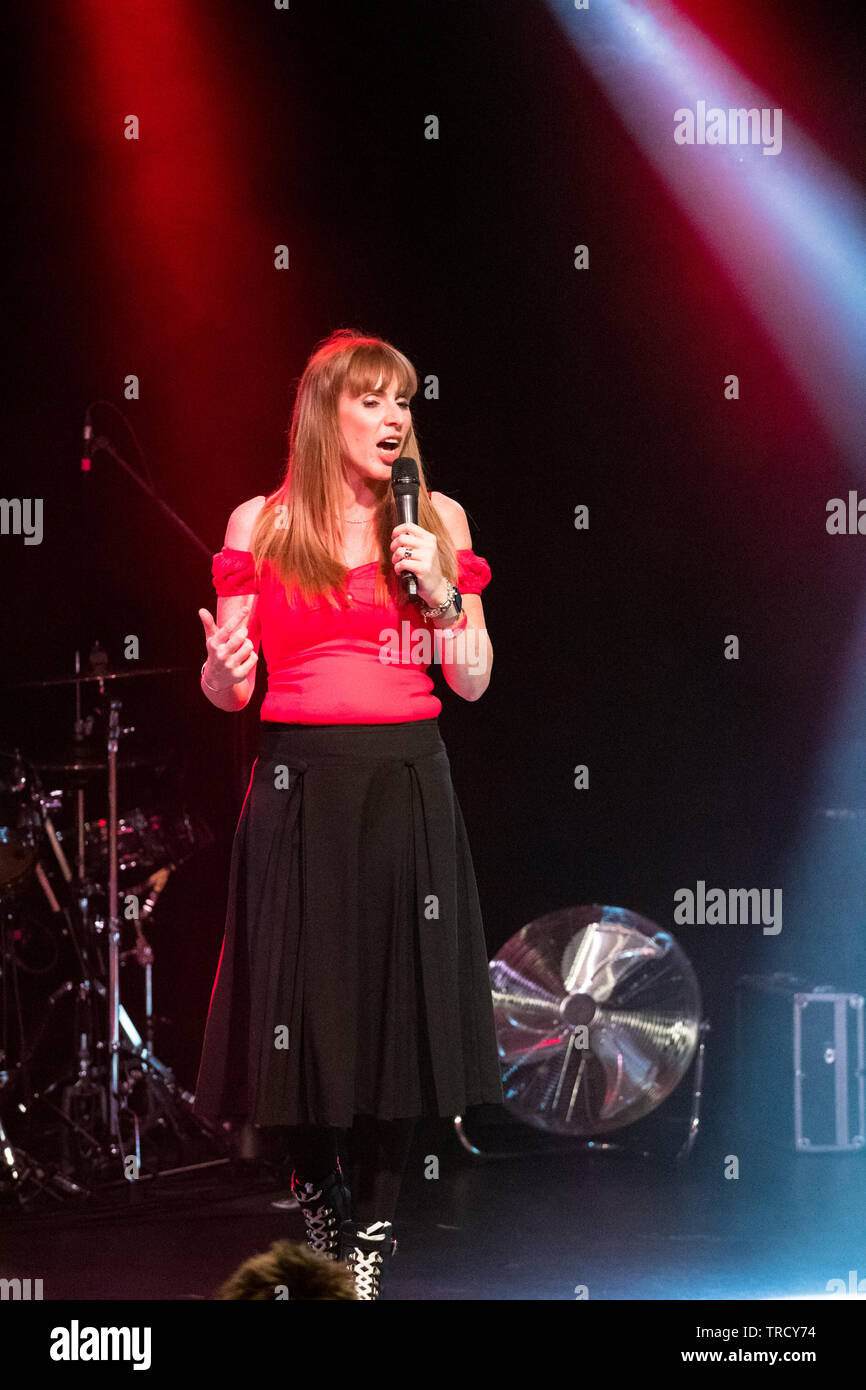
[(231, 655)]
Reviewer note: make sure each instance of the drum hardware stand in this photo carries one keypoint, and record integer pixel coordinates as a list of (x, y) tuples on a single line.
[(82, 729), (143, 951), (82, 1103), (169, 1100), (23, 1173), (159, 1080), (114, 732), (45, 804)]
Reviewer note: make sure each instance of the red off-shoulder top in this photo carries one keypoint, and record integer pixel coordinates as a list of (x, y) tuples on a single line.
[(355, 665)]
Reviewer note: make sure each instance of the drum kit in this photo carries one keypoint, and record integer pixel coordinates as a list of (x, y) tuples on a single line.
[(84, 1100)]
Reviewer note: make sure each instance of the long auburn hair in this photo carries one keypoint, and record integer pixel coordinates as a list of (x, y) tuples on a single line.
[(298, 529)]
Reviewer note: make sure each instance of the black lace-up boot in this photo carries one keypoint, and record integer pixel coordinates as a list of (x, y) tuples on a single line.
[(327, 1209), (368, 1255)]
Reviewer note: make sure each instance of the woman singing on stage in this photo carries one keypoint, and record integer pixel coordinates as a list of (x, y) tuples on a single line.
[(352, 995)]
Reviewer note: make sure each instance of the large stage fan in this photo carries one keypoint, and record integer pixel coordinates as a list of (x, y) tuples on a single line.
[(597, 1017)]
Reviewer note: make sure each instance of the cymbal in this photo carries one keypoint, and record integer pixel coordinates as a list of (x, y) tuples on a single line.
[(597, 1015), (106, 675), (83, 755), (83, 759)]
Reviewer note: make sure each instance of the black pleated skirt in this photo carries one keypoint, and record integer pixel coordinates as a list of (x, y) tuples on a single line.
[(353, 977)]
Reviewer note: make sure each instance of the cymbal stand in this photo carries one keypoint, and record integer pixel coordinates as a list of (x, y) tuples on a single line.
[(114, 732), (168, 1103)]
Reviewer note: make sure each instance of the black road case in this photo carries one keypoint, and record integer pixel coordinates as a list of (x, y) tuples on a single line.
[(799, 1064)]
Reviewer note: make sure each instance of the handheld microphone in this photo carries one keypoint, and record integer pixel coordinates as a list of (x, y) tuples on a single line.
[(405, 485)]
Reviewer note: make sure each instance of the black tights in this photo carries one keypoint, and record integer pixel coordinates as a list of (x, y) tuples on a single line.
[(373, 1156)]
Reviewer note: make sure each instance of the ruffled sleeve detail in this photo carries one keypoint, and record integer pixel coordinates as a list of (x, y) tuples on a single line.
[(473, 572), (234, 572)]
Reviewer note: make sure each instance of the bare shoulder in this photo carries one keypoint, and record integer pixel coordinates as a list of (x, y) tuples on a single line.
[(454, 518), (240, 526)]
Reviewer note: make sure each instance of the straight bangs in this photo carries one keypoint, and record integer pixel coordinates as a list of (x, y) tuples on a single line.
[(374, 363)]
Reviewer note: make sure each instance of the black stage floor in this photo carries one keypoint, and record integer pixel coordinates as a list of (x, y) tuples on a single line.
[(545, 1226)]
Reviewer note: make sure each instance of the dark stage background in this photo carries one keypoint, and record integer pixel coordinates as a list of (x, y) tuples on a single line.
[(556, 388)]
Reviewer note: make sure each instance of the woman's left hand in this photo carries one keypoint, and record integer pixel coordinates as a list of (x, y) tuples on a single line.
[(423, 562)]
